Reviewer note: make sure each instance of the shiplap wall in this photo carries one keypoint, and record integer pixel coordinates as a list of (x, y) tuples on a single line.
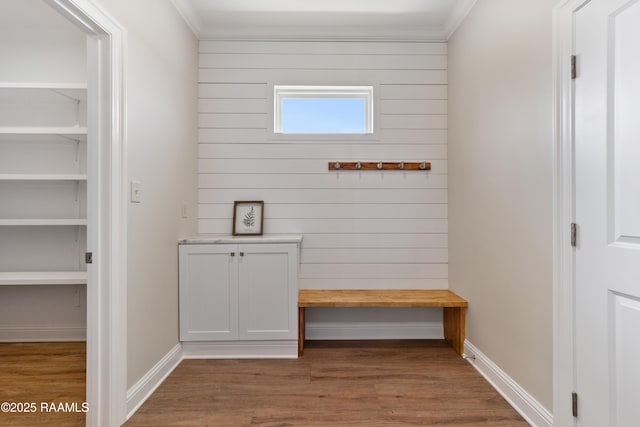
[(361, 229)]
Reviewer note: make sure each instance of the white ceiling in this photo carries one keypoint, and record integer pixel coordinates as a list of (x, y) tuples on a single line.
[(329, 19)]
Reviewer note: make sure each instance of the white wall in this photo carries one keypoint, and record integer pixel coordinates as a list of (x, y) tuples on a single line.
[(500, 152), (161, 84), (38, 45), (361, 229)]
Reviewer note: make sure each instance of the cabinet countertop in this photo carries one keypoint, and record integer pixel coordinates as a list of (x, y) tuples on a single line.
[(275, 238)]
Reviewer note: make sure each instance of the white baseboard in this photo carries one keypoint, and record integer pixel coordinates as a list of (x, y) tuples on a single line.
[(141, 390), (45, 333), (287, 349), (373, 330), (530, 409)]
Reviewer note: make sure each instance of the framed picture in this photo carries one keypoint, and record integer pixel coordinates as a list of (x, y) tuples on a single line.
[(247, 218)]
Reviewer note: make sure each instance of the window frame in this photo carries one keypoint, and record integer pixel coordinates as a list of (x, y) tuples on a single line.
[(314, 92)]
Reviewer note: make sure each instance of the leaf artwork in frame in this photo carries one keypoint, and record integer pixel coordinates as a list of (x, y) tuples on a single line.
[(247, 218), (250, 218)]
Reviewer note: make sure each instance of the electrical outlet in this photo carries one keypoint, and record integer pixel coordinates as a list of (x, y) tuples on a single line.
[(136, 192)]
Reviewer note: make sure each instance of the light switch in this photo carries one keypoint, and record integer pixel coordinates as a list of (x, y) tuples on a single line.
[(136, 192), (184, 210)]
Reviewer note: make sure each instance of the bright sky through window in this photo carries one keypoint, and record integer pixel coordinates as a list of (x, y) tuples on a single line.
[(324, 115), (328, 110)]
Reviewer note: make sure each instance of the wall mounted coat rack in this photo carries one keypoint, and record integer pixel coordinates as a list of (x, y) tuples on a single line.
[(370, 166)]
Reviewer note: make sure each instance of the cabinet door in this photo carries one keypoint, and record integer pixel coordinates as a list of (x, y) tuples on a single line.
[(208, 293), (267, 285)]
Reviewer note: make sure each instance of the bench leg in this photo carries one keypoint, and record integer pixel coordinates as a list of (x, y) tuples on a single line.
[(454, 321), (301, 331)]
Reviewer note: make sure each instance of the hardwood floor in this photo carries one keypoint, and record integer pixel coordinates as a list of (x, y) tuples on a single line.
[(42, 373), (344, 383)]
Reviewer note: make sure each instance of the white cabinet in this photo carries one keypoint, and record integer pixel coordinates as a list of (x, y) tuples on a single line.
[(208, 292), (43, 183), (238, 291)]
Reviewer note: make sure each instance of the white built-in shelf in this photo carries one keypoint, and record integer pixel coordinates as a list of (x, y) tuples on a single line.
[(71, 131), (60, 108), (23, 222), (26, 138), (44, 278), (42, 85), (42, 93), (42, 177)]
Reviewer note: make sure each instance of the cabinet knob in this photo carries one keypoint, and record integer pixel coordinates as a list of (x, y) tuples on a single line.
[(232, 254), (241, 253)]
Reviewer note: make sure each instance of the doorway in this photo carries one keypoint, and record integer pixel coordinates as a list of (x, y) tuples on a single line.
[(597, 313), (98, 222), (43, 213)]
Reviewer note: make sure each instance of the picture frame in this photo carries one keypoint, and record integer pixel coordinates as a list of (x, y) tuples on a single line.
[(248, 217)]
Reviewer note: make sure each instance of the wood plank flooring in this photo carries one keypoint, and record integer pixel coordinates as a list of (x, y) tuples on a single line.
[(343, 383), (42, 372)]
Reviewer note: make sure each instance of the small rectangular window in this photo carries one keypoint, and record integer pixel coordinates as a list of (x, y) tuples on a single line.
[(323, 109)]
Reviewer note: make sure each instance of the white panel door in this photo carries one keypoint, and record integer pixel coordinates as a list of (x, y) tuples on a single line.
[(607, 180), (268, 291), (208, 293)]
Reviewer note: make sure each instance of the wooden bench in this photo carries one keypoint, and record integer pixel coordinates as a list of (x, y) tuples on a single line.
[(453, 307)]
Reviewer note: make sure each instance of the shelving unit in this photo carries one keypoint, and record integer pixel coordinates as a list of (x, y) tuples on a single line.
[(43, 137), (42, 222), (45, 130), (82, 87), (43, 278), (42, 177)]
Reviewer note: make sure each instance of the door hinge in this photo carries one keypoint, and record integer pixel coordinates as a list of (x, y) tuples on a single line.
[(574, 234), (88, 258), (574, 404), (574, 67)]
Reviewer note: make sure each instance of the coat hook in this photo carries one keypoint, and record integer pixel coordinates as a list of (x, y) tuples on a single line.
[(379, 165), (423, 165), (401, 165), (337, 165), (358, 165)]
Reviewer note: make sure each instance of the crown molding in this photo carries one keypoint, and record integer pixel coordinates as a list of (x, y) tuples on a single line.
[(291, 32), (190, 16), (458, 16)]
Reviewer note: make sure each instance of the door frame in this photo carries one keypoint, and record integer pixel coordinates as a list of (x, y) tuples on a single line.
[(564, 292), (106, 371)]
